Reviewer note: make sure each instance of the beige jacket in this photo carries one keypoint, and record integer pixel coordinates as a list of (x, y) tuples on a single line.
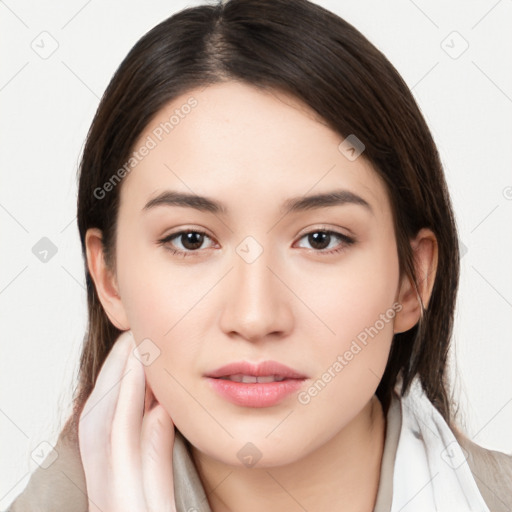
[(61, 487)]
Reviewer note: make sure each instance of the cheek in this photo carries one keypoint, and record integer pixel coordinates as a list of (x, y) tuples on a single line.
[(355, 300), (156, 293), (163, 305), (358, 306)]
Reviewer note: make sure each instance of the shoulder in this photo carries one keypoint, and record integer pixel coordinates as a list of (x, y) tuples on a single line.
[(492, 471), (58, 484)]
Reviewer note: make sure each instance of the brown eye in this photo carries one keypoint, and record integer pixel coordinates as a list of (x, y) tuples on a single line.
[(187, 241), (191, 240), (321, 239)]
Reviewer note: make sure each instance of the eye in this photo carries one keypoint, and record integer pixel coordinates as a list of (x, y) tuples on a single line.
[(322, 239), (191, 240)]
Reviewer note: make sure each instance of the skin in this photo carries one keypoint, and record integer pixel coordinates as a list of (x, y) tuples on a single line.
[(295, 304)]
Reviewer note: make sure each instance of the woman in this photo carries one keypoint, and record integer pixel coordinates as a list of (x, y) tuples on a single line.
[(272, 267)]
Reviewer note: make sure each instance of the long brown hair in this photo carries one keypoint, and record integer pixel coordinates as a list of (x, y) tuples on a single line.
[(302, 49)]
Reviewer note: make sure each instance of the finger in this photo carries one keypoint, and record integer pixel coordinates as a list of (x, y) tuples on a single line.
[(125, 437), (157, 440)]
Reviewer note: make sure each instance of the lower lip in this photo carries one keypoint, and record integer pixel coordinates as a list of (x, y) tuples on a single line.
[(255, 394)]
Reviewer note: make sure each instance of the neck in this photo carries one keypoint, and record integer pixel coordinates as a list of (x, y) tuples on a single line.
[(344, 470)]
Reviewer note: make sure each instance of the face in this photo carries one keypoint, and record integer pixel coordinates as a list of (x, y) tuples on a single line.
[(258, 272)]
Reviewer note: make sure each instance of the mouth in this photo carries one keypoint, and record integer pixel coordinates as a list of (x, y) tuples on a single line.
[(251, 379), (247, 372), (255, 385)]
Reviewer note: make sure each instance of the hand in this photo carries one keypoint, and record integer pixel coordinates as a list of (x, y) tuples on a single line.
[(126, 439)]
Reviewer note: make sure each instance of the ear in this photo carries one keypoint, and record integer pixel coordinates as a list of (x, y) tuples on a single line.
[(104, 280), (425, 252)]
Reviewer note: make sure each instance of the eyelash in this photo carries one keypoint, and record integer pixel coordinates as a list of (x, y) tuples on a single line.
[(347, 241)]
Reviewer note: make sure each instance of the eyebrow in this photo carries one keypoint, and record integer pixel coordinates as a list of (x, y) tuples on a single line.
[(294, 204)]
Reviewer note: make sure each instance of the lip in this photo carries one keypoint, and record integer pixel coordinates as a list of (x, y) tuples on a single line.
[(262, 369), (257, 394)]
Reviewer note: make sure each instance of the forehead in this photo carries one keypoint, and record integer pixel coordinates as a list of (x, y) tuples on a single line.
[(240, 144)]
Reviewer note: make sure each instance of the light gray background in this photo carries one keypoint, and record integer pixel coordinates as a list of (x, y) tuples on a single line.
[(48, 105)]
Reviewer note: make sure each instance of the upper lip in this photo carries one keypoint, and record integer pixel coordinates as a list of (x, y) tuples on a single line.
[(262, 369)]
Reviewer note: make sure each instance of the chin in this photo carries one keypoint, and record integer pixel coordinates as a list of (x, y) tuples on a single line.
[(252, 451)]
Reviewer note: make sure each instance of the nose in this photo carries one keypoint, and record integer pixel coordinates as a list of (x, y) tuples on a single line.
[(257, 304)]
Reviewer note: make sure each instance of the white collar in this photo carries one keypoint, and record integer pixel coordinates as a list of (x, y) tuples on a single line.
[(431, 470)]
